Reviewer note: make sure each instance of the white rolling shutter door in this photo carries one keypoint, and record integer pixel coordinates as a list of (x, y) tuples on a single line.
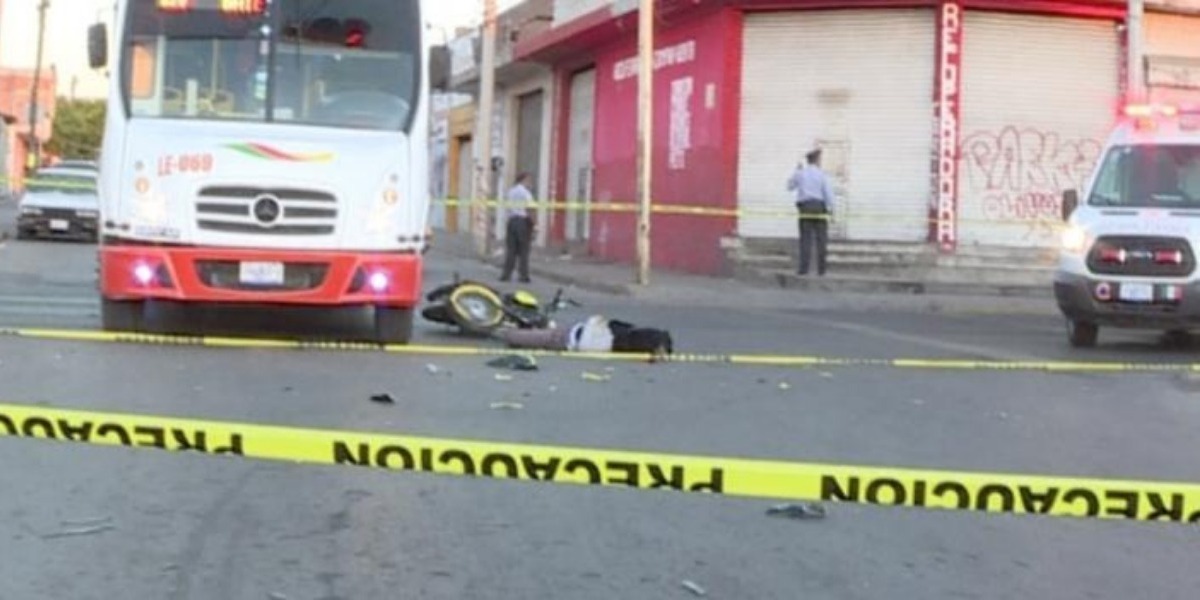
[(861, 83), (1039, 95)]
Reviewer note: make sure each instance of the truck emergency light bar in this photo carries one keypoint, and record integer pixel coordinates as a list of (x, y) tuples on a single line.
[(1148, 116), (232, 7)]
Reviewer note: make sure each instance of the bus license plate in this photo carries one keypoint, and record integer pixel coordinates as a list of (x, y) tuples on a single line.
[(1137, 292), (60, 225), (261, 273)]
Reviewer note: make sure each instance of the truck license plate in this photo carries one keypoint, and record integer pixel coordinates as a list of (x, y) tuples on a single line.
[(1137, 292), (261, 273), (60, 225)]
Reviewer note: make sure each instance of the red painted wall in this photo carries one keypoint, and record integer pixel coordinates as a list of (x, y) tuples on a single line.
[(704, 174)]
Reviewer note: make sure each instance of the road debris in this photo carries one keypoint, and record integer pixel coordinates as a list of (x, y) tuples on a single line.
[(693, 587), (78, 532), (87, 522), (383, 399), (826, 375), (507, 406), (806, 511), (596, 377), (514, 362), (785, 386), (503, 377), (277, 596), (432, 369)]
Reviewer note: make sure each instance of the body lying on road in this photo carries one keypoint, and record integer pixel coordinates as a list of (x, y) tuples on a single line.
[(594, 334)]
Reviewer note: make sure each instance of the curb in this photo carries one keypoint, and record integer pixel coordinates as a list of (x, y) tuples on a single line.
[(904, 287)]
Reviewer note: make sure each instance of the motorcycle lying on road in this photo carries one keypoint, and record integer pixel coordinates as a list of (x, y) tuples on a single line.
[(479, 309)]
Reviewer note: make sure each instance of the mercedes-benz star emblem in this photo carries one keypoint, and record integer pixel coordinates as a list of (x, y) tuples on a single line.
[(267, 209)]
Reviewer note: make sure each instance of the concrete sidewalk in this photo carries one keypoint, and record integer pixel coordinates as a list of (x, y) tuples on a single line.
[(831, 293)]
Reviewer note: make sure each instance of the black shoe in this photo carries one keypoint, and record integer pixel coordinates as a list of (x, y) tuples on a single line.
[(526, 280), (505, 279)]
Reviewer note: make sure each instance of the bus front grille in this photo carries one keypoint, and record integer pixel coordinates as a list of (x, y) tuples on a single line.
[(266, 211)]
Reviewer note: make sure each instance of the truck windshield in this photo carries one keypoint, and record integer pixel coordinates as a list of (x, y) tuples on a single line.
[(1149, 176), (350, 63)]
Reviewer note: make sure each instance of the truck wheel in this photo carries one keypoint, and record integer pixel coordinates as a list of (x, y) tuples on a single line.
[(121, 315), (393, 325), (1082, 334)]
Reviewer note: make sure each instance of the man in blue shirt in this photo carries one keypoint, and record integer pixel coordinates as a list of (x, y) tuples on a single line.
[(814, 201), (518, 238)]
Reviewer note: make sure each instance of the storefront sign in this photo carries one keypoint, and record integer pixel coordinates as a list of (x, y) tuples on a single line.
[(1173, 72), (949, 85), (678, 54)]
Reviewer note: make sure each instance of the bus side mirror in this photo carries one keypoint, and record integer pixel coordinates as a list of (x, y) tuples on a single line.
[(439, 68), (98, 46), (1070, 202)]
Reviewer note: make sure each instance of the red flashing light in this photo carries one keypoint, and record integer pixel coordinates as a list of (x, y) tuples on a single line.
[(1113, 255), (356, 33), (1168, 257)]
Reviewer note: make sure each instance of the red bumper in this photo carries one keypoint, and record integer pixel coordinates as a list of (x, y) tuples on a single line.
[(215, 275)]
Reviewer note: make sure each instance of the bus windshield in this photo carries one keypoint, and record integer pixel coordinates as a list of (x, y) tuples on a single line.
[(350, 63), (1162, 176)]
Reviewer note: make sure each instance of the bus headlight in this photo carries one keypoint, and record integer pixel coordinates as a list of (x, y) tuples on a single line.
[(1074, 239)]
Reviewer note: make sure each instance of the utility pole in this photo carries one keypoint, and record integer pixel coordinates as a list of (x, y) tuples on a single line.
[(483, 138), (35, 145), (1135, 41), (645, 135)]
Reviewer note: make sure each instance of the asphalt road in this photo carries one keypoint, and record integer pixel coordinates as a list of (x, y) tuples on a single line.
[(191, 527)]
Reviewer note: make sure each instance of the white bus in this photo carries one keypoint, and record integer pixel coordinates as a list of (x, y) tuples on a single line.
[(266, 152)]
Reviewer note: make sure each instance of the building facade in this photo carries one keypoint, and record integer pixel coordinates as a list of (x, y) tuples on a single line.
[(953, 123)]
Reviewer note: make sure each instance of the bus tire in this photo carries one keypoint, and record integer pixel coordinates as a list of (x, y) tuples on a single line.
[(122, 315), (393, 325)]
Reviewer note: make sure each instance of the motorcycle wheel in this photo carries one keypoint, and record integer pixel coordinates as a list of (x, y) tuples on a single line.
[(476, 309)]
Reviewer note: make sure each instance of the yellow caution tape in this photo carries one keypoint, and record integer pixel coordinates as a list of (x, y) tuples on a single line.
[(919, 488), (745, 213), (748, 360), (663, 209)]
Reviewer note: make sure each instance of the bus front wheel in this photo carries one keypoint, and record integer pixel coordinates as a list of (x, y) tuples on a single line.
[(121, 315), (393, 325)]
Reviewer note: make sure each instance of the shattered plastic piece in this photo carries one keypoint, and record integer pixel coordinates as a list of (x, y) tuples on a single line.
[(507, 406), (806, 511), (595, 377), (514, 362), (82, 531), (277, 596), (693, 587), (826, 375), (383, 399), (432, 369), (87, 522), (785, 386), (503, 377)]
